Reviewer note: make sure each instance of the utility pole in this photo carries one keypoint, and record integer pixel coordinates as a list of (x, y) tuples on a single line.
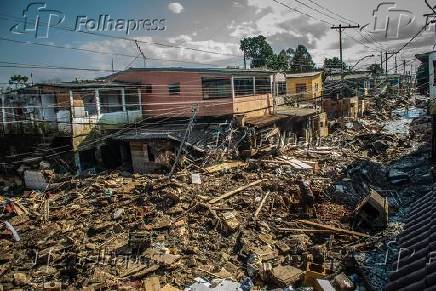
[(245, 62), (381, 59), (387, 57), (386, 60), (396, 65), (404, 67), (340, 28)]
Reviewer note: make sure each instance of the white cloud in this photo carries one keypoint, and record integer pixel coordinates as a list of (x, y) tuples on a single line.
[(175, 7), (166, 54)]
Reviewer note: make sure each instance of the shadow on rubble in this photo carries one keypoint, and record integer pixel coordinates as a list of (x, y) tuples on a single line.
[(377, 191)]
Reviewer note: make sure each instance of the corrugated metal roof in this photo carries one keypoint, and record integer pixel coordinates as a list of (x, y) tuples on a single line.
[(91, 84), (302, 75), (296, 111), (360, 75), (229, 71), (417, 263), (424, 57), (201, 135), (264, 120)]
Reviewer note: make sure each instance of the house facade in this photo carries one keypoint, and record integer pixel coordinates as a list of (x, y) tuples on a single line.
[(349, 107), (138, 118), (215, 92), (71, 115), (305, 86)]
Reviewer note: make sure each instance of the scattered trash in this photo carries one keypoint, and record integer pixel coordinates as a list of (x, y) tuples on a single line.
[(196, 179), (244, 228)]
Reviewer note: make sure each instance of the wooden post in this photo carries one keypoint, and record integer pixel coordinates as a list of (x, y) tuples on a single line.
[(233, 88), (123, 99), (97, 102)]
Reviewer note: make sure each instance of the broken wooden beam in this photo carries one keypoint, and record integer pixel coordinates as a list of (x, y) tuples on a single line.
[(334, 229), (304, 230), (233, 192), (225, 166), (261, 205)]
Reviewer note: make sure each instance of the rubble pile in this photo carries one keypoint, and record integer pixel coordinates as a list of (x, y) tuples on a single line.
[(108, 230), (237, 220)]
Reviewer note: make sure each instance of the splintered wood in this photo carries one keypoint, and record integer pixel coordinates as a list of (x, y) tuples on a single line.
[(233, 192), (334, 229), (261, 204), (224, 166)]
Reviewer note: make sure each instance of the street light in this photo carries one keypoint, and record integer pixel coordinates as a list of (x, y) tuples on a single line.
[(368, 56)]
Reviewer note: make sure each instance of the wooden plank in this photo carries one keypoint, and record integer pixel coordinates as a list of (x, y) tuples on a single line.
[(168, 287), (334, 229), (296, 164), (233, 192), (304, 230), (152, 284), (225, 166), (261, 204), (300, 165)]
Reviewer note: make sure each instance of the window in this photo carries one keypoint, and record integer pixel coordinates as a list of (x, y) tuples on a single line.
[(110, 101), (244, 86), (301, 88), (174, 89), (148, 89), (434, 72), (131, 96), (88, 98), (216, 88), (281, 88), (263, 85)]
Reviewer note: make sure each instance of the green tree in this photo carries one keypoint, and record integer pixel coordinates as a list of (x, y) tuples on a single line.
[(258, 51), (279, 62), (18, 81), (375, 69), (333, 63), (301, 60)]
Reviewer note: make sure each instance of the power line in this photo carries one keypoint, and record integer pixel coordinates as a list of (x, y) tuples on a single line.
[(10, 18), (48, 67), (347, 20), (100, 52), (318, 19)]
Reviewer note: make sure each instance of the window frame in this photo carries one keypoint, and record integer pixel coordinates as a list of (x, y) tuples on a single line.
[(263, 90), (174, 89), (247, 91), (226, 86), (110, 108), (128, 94)]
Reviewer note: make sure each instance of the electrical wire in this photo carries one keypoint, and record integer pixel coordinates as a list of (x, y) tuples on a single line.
[(165, 45), (100, 52)]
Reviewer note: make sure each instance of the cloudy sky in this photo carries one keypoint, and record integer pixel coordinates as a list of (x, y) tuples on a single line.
[(198, 33)]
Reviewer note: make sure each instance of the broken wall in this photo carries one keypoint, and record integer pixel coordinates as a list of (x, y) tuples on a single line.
[(151, 155)]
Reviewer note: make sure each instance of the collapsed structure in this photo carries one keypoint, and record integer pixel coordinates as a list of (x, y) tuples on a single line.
[(125, 116), (233, 143)]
